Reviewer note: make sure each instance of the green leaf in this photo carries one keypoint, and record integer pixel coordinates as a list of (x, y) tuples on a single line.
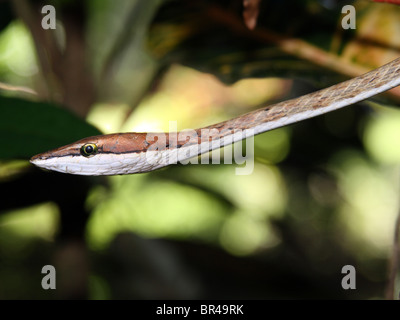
[(28, 128)]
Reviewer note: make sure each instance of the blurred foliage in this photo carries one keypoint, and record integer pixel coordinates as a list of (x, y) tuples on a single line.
[(323, 194)]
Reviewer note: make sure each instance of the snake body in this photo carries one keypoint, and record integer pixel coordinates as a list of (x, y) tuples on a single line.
[(127, 153)]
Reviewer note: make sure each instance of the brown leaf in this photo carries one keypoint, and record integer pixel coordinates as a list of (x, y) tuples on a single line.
[(251, 9)]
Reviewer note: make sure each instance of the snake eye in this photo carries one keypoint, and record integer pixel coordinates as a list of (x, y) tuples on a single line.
[(88, 149)]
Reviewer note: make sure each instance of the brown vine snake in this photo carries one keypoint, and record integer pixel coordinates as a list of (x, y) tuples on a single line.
[(127, 153)]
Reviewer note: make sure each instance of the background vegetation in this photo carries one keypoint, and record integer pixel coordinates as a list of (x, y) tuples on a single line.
[(324, 192)]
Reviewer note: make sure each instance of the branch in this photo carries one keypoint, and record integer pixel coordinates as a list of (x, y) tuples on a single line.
[(10, 87), (293, 46), (65, 72)]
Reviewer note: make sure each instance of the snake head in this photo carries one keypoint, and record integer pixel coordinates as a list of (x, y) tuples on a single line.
[(99, 155), (72, 158)]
